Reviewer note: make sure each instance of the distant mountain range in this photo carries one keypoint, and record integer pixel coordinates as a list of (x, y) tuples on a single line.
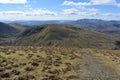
[(103, 26), (94, 24), (99, 25), (62, 33), (30, 22)]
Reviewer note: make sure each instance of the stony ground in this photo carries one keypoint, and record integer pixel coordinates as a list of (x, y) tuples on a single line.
[(56, 63)]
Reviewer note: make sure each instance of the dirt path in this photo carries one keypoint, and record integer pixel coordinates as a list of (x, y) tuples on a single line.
[(95, 69)]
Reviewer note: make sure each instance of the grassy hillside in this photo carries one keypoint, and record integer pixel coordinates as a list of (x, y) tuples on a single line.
[(7, 30), (115, 33), (19, 27), (65, 35)]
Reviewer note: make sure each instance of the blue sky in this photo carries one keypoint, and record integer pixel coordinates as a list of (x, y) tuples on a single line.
[(59, 9)]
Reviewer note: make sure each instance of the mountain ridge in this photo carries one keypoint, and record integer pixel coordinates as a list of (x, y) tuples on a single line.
[(64, 35)]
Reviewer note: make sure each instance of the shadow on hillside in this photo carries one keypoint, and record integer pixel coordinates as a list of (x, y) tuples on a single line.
[(118, 44)]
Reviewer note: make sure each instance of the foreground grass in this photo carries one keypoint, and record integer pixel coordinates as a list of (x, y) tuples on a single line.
[(38, 63), (48, 63)]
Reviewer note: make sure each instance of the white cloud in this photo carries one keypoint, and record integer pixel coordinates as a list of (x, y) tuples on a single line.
[(71, 3), (12, 13), (27, 15), (76, 12), (103, 2), (92, 9), (90, 3), (83, 10), (78, 7), (41, 12), (38, 12), (118, 4), (67, 14), (71, 11), (30, 14), (112, 14), (13, 1)]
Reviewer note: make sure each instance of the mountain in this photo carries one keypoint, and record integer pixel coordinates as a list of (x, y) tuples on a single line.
[(96, 24), (19, 27), (103, 26), (115, 33), (7, 30), (65, 36), (99, 25), (38, 22)]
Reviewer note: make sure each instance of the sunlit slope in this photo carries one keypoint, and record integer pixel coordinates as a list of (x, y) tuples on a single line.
[(65, 35)]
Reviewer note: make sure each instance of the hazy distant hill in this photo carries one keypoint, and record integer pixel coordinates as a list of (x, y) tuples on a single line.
[(35, 22), (99, 25), (96, 24), (65, 35)]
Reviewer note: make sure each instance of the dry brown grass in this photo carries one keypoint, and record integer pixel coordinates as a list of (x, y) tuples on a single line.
[(48, 63), (39, 63)]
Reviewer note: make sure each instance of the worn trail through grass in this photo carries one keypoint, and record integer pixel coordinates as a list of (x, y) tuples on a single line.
[(97, 70)]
